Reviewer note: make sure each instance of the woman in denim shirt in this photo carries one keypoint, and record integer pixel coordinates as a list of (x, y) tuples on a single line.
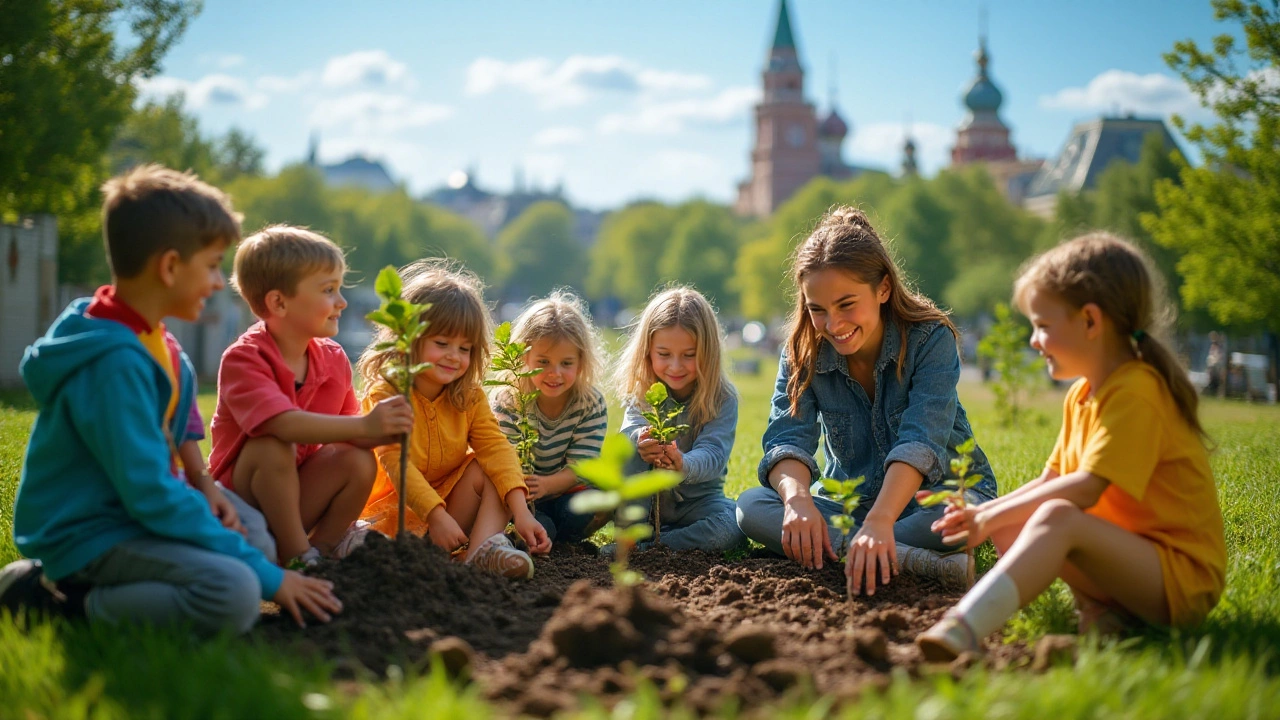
[(872, 367)]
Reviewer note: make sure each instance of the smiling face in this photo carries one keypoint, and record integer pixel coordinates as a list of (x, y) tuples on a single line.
[(845, 310), (195, 279), (673, 355), (1059, 332), (316, 305), (559, 361), (449, 355)]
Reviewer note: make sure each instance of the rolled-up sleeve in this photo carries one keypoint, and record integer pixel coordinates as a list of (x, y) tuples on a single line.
[(789, 437), (927, 423)]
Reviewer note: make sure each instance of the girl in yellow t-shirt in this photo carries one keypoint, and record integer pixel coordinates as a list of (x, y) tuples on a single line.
[(1125, 512)]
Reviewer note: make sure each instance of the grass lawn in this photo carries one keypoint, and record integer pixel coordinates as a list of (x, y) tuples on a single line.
[(1227, 668)]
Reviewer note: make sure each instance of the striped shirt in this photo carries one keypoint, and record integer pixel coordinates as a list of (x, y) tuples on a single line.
[(576, 435)]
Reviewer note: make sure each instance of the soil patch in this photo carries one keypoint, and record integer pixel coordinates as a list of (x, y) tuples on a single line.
[(703, 629)]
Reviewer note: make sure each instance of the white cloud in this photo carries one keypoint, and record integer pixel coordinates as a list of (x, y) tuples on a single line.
[(574, 80), (1124, 91), (210, 90), (561, 135), (671, 117), (222, 62), (879, 144), (371, 113), (369, 69), (280, 84)]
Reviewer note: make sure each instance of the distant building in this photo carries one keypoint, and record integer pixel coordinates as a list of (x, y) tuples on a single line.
[(356, 171), (1090, 148), (791, 146), (983, 137), (492, 211)]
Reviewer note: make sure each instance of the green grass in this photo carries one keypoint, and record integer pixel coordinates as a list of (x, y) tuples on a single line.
[(1228, 668)]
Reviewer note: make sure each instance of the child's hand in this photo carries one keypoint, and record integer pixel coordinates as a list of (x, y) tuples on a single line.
[(299, 592), (961, 524), (537, 488), (535, 536), (675, 458), (650, 450), (443, 531), (224, 510), (392, 416)]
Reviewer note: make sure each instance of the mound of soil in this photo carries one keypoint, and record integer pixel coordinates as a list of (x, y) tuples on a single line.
[(702, 629)]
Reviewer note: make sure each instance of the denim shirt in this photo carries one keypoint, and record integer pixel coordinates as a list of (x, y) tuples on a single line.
[(917, 420), (706, 455)]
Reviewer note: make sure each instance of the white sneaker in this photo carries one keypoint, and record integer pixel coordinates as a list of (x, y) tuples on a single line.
[(955, 570), (355, 536), (496, 555), (947, 639)]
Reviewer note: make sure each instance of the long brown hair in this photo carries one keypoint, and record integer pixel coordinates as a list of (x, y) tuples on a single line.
[(1111, 273), (685, 308), (844, 240), (457, 308)]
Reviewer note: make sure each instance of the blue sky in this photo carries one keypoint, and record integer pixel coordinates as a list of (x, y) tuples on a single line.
[(653, 99)]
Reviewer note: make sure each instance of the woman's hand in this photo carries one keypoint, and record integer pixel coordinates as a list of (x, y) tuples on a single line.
[(872, 552), (804, 532)]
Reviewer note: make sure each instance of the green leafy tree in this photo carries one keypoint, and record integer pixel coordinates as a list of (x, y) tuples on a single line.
[(236, 154), (538, 251), (406, 324), (702, 251), (611, 490), (1005, 346), (917, 228), (624, 260), (1221, 220)]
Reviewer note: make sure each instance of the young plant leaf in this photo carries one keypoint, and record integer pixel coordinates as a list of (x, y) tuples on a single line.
[(388, 285)]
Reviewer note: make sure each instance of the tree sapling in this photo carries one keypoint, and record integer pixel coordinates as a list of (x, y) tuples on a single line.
[(846, 493), (1006, 347), (509, 365), (405, 324), (662, 429), (611, 489), (956, 485)]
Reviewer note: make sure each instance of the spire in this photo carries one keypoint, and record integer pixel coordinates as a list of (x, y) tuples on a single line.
[(909, 166), (983, 95), (313, 148), (782, 36)]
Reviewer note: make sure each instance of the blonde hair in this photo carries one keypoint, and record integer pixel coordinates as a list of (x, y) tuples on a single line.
[(685, 308), (457, 308), (844, 240), (151, 209), (278, 257), (561, 316), (1111, 273)]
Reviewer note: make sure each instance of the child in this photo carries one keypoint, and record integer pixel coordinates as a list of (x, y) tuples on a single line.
[(570, 414), (873, 367), (1125, 511), (288, 436), (114, 534), (464, 481), (677, 342)]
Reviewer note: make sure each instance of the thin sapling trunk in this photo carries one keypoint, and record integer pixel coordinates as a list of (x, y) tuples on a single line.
[(663, 429)]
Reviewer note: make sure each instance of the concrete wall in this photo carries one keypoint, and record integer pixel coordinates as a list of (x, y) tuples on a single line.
[(28, 288)]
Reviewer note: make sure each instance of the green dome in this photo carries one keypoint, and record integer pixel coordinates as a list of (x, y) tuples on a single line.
[(982, 93)]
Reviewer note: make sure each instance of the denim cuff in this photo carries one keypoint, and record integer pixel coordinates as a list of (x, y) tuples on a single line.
[(785, 452), (919, 456)]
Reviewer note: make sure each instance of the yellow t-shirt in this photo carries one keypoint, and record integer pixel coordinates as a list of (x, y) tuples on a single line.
[(1161, 487)]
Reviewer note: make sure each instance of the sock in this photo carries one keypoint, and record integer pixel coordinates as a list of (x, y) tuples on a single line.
[(990, 604)]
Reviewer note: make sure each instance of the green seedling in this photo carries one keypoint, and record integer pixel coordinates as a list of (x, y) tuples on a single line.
[(405, 324), (846, 493), (663, 429), (612, 490), (956, 485), (1006, 347), (508, 364)]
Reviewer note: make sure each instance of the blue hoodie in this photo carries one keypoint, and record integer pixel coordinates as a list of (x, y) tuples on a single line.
[(97, 468)]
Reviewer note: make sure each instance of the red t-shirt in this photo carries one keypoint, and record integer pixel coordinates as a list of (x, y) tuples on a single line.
[(255, 385)]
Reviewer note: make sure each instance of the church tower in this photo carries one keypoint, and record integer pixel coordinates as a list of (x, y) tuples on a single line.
[(982, 136), (785, 155)]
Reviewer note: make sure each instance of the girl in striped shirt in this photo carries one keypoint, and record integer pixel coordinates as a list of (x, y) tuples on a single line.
[(569, 414)]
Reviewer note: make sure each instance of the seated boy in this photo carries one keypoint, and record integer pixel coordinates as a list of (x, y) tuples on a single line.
[(287, 434), (114, 534)]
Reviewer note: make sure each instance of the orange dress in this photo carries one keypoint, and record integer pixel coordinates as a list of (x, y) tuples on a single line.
[(443, 443), (1160, 485)]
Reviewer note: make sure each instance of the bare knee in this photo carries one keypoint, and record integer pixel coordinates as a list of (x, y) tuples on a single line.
[(266, 451), (1056, 514), (474, 478), (357, 465)]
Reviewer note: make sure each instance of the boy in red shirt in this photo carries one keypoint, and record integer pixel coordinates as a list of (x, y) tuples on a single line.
[(287, 434)]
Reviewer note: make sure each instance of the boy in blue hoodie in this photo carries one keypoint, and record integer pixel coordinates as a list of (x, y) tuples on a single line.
[(113, 533)]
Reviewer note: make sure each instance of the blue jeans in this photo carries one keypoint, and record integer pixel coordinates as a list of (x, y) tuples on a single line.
[(167, 582), (760, 517), (701, 523), (561, 523)]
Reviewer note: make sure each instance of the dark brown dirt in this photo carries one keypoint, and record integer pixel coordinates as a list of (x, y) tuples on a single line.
[(703, 629)]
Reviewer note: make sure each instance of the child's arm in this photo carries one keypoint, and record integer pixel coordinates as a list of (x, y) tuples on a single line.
[(708, 456), (1080, 488), (390, 417), (198, 475), (636, 429)]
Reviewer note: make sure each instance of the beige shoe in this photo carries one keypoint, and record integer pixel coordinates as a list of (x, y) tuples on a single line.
[(955, 570), (353, 538), (947, 639), (496, 555)]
